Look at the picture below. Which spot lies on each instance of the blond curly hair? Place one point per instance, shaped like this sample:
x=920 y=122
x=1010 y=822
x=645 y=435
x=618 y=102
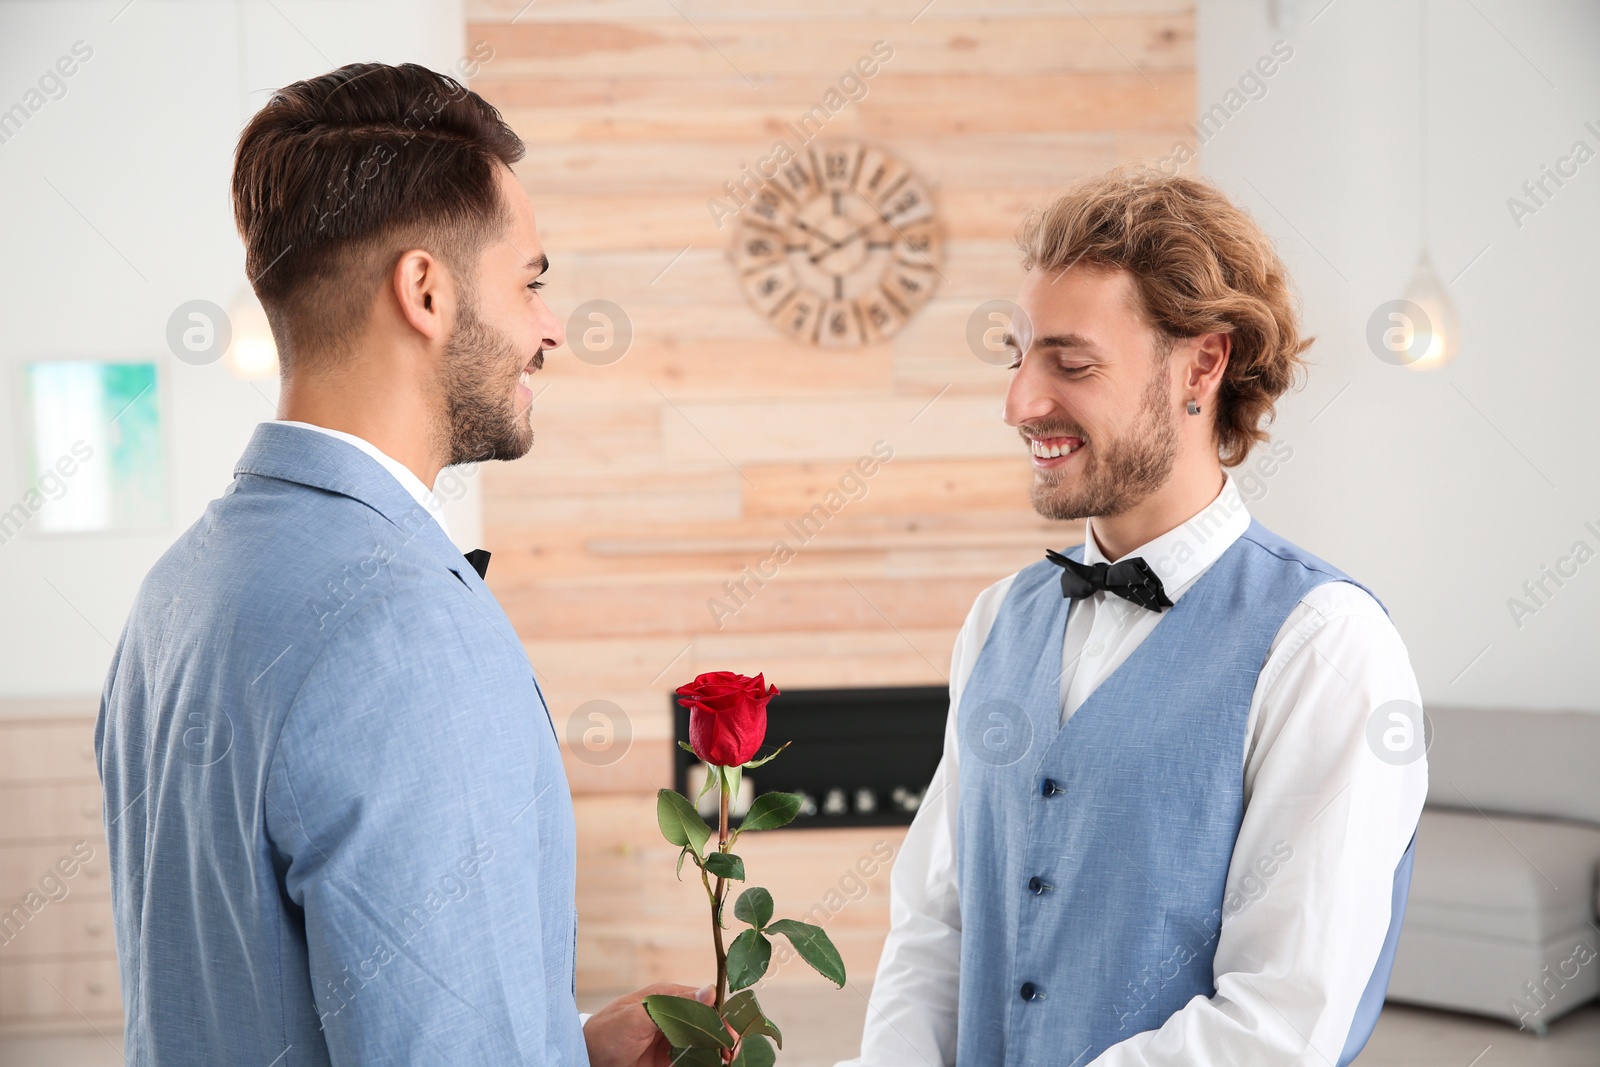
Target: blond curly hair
x=1201 y=265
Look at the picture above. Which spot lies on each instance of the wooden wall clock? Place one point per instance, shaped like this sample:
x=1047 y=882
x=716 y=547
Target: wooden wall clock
x=840 y=247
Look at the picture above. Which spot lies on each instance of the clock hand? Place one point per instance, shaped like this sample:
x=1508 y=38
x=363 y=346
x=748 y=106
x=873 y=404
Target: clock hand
x=800 y=224
x=833 y=245
x=836 y=245
x=874 y=224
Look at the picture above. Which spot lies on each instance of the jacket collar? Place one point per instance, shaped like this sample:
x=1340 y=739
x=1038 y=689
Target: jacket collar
x=305 y=457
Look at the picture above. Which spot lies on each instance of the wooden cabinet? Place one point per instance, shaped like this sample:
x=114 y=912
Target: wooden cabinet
x=58 y=962
x=62 y=994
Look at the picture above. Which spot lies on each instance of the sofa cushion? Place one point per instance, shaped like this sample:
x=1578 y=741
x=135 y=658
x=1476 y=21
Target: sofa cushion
x=1502 y=876
x=1538 y=763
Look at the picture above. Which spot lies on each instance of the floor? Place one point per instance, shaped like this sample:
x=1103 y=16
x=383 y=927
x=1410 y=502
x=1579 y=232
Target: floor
x=823 y=1025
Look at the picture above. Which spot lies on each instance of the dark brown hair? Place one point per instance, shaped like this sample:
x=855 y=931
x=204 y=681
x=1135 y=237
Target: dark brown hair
x=1201 y=265
x=340 y=174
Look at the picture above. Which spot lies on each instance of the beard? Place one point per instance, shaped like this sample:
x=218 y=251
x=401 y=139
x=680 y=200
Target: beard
x=481 y=367
x=1116 y=473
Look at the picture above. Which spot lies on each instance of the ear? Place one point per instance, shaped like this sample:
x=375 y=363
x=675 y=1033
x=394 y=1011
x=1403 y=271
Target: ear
x=1208 y=362
x=425 y=293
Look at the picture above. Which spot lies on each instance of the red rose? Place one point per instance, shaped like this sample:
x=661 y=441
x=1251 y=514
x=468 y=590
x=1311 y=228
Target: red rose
x=727 y=716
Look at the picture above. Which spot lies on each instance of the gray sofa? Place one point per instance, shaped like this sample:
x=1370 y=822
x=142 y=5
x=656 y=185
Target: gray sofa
x=1501 y=920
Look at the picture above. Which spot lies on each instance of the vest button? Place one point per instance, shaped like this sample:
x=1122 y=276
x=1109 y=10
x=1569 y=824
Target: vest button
x=1031 y=992
x=1039 y=885
x=1049 y=788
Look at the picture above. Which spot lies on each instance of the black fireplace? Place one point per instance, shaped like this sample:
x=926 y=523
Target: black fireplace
x=860 y=757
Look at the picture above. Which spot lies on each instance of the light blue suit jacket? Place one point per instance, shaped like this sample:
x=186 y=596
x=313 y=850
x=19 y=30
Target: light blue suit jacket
x=339 y=828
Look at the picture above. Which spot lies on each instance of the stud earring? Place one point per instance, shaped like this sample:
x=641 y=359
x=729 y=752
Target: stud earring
x=1192 y=408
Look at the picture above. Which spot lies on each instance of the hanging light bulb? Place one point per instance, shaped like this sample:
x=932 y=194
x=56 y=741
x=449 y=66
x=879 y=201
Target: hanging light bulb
x=1437 y=330
x=1435 y=327
x=253 y=353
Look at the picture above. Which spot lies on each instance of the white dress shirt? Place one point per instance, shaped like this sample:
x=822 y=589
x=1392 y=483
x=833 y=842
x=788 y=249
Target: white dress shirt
x=402 y=474
x=1309 y=886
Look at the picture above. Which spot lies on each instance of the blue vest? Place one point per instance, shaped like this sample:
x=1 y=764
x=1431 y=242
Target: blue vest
x=1092 y=856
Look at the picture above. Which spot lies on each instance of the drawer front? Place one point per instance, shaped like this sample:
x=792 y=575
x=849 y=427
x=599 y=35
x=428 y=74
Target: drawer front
x=68 y=990
x=43 y=869
x=48 y=812
x=37 y=751
x=75 y=926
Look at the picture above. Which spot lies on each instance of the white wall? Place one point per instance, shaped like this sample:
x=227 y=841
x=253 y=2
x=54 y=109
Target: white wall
x=140 y=149
x=1433 y=488
x=1444 y=491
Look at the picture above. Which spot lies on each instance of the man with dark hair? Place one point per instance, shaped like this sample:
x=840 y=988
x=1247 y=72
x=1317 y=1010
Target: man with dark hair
x=1175 y=817
x=339 y=825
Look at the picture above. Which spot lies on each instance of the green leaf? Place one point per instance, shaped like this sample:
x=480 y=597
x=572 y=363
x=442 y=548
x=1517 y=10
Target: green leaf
x=768 y=758
x=696 y=1057
x=682 y=854
x=687 y=747
x=755 y=1052
x=725 y=865
x=814 y=947
x=687 y=1023
x=680 y=824
x=748 y=957
x=746 y=1017
x=713 y=776
x=770 y=811
x=754 y=906
x=730 y=776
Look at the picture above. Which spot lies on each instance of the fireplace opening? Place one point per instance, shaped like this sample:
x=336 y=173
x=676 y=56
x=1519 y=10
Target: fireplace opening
x=860 y=757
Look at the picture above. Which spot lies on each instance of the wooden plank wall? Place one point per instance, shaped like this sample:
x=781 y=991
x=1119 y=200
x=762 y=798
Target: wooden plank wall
x=656 y=479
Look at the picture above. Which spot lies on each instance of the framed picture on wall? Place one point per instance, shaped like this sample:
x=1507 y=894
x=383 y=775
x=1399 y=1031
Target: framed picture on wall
x=95 y=453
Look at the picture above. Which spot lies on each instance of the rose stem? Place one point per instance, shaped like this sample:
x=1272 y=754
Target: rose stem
x=722 y=887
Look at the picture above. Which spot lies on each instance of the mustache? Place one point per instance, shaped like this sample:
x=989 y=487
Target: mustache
x=1031 y=430
x=538 y=360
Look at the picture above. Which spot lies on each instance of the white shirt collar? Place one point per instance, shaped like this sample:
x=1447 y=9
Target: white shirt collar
x=402 y=474
x=1182 y=554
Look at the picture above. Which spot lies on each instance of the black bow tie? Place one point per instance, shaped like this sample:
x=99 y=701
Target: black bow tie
x=479 y=558
x=1131 y=579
